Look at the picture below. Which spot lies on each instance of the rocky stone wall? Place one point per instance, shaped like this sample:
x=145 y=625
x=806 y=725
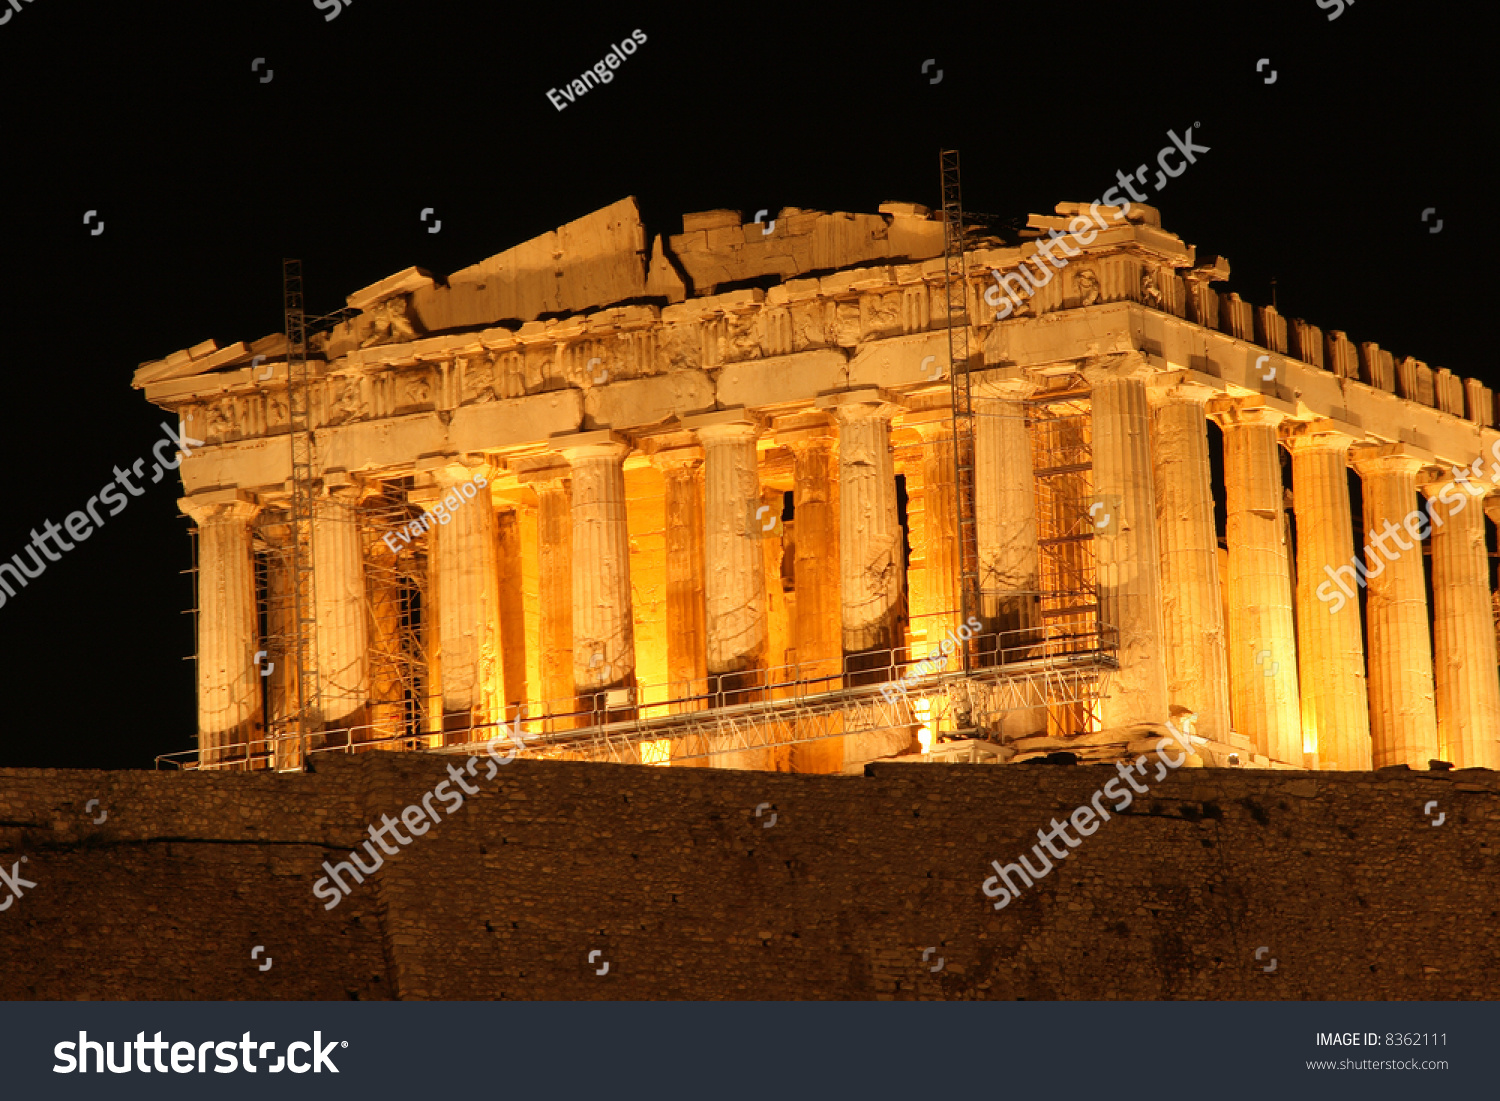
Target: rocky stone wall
x=835 y=889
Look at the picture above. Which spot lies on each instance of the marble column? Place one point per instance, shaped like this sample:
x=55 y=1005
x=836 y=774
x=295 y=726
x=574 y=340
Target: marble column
x=871 y=543
x=1194 y=637
x=1005 y=536
x=817 y=633
x=1262 y=633
x=1463 y=627
x=386 y=574
x=687 y=632
x=513 y=640
x=554 y=524
x=1403 y=717
x=872 y=566
x=1005 y=514
x=1330 y=643
x=1129 y=562
x=281 y=646
x=229 y=688
x=343 y=633
x=464 y=555
x=942 y=551
x=603 y=631
x=734 y=564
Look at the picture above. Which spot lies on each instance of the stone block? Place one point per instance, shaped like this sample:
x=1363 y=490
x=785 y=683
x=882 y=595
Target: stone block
x=779 y=379
x=1307 y=342
x=496 y=424
x=1479 y=402
x=900 y=361
x=392 y=441
x=640 y=402
x=1235 y=317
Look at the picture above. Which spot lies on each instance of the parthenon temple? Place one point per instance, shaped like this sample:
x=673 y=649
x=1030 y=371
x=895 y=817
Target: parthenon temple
x=804 y=493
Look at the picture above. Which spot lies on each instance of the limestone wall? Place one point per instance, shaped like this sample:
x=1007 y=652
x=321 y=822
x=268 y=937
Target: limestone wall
x=687 y=894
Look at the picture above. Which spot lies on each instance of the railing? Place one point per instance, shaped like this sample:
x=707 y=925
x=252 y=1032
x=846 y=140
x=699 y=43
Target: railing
x=1044 y=649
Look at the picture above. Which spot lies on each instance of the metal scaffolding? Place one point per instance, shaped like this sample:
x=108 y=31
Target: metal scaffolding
x=793 y=708
x=956 y=289
x=303 y=722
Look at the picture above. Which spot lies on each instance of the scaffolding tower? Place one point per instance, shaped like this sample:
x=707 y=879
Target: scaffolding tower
x=303 y=722
x=956 y=289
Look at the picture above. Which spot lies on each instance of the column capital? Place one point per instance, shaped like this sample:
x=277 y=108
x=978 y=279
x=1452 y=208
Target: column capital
x=1181 y=387
x=736 y=418
x=678 y=460
x=540 y=469
x=1256 y=409
x=1321 y=434
x=929 y=423
x=1003 y=384
x=341 y=487
x=1387 y=458
x=737 y=424
x=806 y=430
x=1129 y=365
x=600 y=443
x=451 y=470
x=861 y=404
x=219 y=505
x=1435 y=482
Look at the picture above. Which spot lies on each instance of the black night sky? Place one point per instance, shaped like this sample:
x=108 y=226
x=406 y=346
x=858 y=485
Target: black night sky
x=205 y=178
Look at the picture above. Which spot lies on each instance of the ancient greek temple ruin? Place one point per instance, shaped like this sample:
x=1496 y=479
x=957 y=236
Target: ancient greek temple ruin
x=802 y=493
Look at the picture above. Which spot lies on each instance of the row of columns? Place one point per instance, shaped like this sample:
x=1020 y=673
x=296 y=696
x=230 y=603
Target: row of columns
x=1294 y=664
x=1283 y=668
x=848 y=568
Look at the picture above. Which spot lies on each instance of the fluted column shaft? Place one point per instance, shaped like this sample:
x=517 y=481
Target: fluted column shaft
x=1330 y=643
x=1005 y=537
x=1126 y=544
x=1262 y=635
x=1403 y=717
x=229 y=697
x=1464 y=650
x=554 y=585
x=871 y=546
x=687 y=632
x=734 y=564
x=1194 y=637
x=343 y=633
x=940 y=515
x=603 y=632
x=513 y=640
x=1005 y=525
x=465 y=551
x=281 y=633
x=818 y=630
